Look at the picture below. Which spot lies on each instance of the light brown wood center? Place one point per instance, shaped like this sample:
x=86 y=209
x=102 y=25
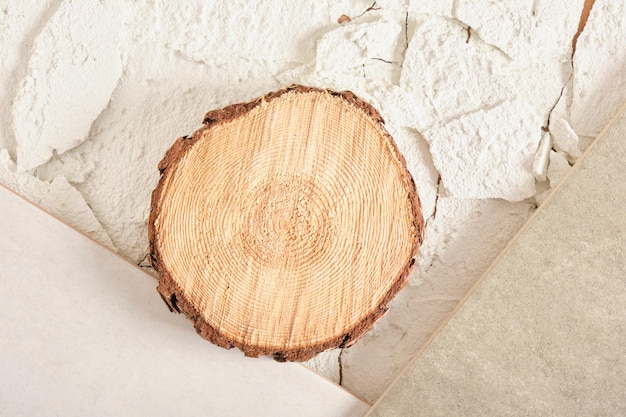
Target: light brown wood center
x=286 y=222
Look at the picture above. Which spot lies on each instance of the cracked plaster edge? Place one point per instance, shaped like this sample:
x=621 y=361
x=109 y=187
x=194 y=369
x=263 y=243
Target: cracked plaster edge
x=20 y=71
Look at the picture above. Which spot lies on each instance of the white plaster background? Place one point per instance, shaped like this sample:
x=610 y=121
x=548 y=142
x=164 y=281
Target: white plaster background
x=484 y=99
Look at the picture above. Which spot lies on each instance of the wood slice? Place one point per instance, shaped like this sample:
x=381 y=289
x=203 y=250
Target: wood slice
x=285 y=226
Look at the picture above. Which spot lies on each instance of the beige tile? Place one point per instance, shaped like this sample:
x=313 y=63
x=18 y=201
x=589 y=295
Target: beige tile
x=84 y=333
x=545 y=333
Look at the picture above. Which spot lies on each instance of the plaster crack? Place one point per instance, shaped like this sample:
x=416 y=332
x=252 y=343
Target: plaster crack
x=546 y=127
x=374 y=6
x=434 y=215
x=339 y=361
x=406 y=31
x=484 y=108
x=385 y=61
x=584 y=15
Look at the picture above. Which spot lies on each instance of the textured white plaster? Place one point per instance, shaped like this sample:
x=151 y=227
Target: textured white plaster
x=73 y=68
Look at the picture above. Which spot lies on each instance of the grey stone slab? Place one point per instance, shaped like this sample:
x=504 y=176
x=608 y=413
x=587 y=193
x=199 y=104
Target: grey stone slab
x=544 y=334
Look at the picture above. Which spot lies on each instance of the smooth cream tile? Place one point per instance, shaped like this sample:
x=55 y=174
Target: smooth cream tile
x=85 y=333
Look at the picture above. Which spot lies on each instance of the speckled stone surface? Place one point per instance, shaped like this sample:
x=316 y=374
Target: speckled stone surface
x=545 y=332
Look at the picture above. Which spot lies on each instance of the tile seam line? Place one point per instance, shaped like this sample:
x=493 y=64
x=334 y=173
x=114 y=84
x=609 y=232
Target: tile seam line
x=504 y=251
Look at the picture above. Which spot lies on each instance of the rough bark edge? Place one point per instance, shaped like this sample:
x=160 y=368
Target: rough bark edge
x=172 y=295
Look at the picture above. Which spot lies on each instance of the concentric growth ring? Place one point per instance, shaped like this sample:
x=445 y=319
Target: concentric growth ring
x=285 y=225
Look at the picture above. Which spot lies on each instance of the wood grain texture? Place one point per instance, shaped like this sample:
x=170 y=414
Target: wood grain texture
x=285 y=225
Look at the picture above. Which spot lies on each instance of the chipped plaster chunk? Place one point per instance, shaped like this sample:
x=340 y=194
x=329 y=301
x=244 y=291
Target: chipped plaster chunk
x=20 y=22
x=564 y=137
x=537 y=37
x=488 y=153
x=523 y=28
x=356 y=44
x=449 y=76
x=372 y=79
x=73 y=68
x=542 y=158
x=57 y=196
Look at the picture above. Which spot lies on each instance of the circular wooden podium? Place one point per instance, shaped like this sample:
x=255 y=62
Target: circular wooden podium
x=285 y=226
